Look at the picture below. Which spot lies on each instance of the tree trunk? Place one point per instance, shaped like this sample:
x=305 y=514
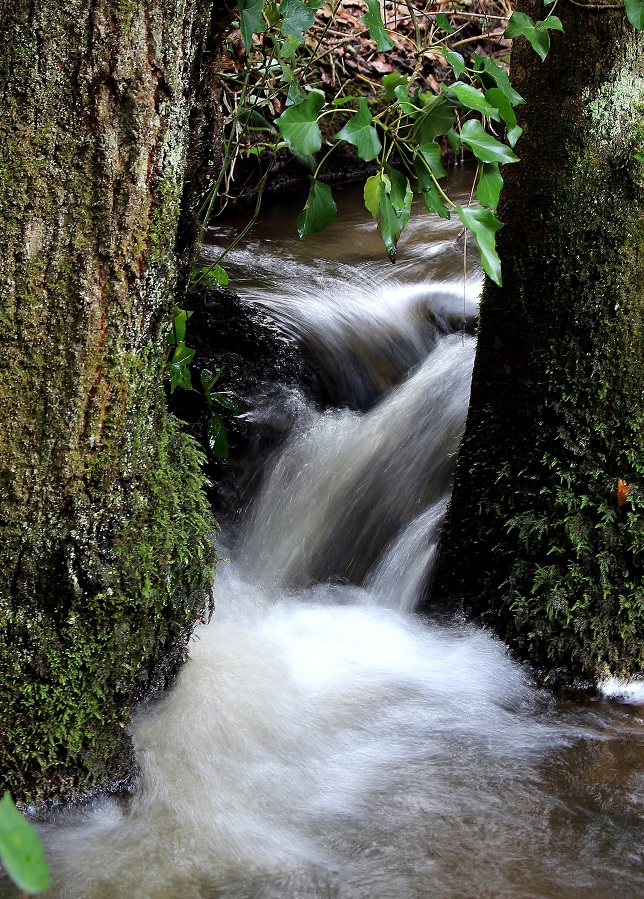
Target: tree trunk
x=544 y=539
x=106 y=536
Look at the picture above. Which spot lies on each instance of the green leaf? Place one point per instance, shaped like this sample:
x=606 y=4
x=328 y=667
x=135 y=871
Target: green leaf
x=513 y=135
x=229 y=401
x=456 y=61
x=431 y=156
x=433 y=202
x=407 y=105
x=373 y=20
x=469 y=97
x=635 y=13
x=401 y=194
x=490 y=184
x=391 y=82
x=210 y=275
x=483 y=145
x=443 y=22
x=287 y=49
x=178 y=367
x=434 y=120
x=21 y=851
x=251 y=20
x=217 y=437
x=208 y=381
x=535 y=33
x=296 y=18
x=179 y=322
x=518 y=24
x=298 y=124
x=638 y=157
x=429 y=191
x=453 y=140
x=271 y=12
x=296 y=94
x=484 y=225
x=320 y=209
x=553 y=23
x=372 y=193
x=388 y=198
x=499 y=77
x=497 y=98
x=360 y=132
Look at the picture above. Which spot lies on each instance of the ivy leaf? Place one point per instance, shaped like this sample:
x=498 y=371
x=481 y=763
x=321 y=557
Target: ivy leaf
x=179 y=322
x=20 y=850
x=454 y=140
x=296 y=18
x=391 y=82
x=470 y=98
x=429 y=191
x=488 y=70
x=320 y=209
x=430 y=154
x=407 y=105
x=208 y=381
x=251 y=20
x=372 y=192
x=217 y=437
x=490 y=184
x=443 y=22
x=483 y=145
x=229 y=401
x=483 y=224
x=535 y=33
x=298 y=124
x=513 y=131
x=373 y=20
x=287 y=49
x=635 y=13
x=401 y=194
x=513 y=135
x=456 y=61
x=210 y=275
x=497 y=98
x=435 y=119
x=388 y=198
x=360 y=132
x=553 y=23
x=178 y=368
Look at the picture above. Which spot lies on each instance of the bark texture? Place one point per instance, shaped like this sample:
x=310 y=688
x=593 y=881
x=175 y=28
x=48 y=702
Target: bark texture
x=537 y=543
x=106 y=537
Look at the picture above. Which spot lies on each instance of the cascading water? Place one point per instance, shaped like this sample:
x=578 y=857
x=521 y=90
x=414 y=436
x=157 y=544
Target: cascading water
x=323 y=741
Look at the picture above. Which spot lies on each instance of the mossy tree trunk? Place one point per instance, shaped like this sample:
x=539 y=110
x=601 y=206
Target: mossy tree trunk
x=106 y=537
x=539 y=542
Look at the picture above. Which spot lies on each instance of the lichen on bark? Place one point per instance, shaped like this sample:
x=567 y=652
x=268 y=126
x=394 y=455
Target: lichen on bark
x=537 y=544
x=106 y=533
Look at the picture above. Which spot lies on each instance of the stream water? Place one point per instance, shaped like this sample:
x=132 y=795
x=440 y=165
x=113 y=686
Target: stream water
x=324 y=741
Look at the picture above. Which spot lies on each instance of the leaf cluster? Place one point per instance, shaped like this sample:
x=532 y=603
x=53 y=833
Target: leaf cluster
x=406 y=131
x=179 y=358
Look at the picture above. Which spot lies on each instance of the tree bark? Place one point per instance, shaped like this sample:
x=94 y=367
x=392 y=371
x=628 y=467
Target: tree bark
x=539 y=542
x=106 y=535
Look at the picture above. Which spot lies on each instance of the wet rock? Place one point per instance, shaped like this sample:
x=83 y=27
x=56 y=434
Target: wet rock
x=261 y=367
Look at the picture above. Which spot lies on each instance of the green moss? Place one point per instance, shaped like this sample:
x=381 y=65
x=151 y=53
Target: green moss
x=73 y=668
x=542 y=550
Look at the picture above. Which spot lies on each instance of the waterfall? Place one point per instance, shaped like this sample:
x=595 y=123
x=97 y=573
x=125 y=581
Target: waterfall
x=323 y=741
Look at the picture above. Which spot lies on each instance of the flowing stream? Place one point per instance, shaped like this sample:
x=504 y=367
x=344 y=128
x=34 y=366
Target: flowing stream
x=324 y=741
